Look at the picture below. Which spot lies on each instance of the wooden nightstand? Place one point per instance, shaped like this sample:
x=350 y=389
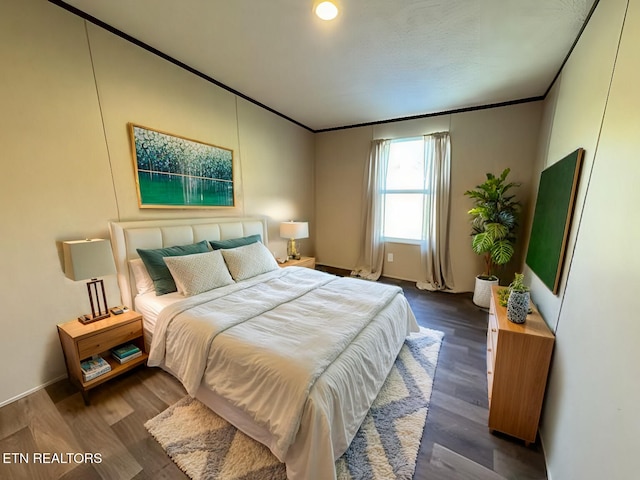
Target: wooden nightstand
x=80 y=342
x=309 y=262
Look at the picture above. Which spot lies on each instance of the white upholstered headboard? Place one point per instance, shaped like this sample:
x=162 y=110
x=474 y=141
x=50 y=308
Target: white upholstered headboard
x=126 y=237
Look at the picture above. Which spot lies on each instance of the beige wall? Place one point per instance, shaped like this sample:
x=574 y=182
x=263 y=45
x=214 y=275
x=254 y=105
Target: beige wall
x=340 y=164
x=64 y=177
x=590 y=420
x=278 y=177
x=481 y=141
x=573 y=118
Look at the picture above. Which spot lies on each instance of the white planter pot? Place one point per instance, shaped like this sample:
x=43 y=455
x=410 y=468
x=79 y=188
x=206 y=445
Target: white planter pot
x=482 y=292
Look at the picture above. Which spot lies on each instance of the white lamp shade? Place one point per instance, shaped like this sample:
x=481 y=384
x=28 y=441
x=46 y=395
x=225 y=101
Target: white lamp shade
x=294 y=230
x=91 y=258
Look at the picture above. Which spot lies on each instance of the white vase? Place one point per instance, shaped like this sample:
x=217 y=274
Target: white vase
x=482 y=292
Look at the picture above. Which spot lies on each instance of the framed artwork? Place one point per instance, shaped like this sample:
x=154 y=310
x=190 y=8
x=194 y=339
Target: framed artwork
x=552 y=219
x=177 y=172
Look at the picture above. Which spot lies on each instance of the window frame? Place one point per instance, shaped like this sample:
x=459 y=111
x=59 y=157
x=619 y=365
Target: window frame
x=425 y=192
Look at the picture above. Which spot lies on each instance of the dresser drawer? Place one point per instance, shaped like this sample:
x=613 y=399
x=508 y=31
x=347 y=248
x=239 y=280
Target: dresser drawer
x=492 y=335
x=490 y=364
x=107 y=339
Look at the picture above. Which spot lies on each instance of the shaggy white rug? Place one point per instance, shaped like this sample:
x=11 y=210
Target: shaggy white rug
x=207 y=447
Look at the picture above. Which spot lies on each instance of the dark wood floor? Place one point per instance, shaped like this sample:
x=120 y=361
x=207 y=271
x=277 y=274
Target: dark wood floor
x=456 y=443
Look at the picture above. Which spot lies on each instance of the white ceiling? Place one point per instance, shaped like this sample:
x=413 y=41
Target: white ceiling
x=379 y=60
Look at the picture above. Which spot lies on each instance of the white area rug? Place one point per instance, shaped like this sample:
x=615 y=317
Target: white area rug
x=205 y=446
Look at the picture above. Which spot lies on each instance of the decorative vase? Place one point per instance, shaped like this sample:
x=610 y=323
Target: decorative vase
x=482 y=291
x=518 y=306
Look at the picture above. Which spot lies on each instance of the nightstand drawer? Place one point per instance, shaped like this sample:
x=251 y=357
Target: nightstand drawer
x=105 y=340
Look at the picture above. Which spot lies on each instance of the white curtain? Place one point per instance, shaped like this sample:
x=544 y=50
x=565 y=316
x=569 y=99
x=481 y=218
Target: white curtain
x=435 y=247
x=371 y=257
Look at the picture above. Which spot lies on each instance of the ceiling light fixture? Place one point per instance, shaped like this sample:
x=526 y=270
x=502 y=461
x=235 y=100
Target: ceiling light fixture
x=326 y=10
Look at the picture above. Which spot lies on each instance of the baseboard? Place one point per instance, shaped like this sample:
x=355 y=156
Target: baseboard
x=342 y=272
x=544 y=455
x=402 y=279
x=33 y=390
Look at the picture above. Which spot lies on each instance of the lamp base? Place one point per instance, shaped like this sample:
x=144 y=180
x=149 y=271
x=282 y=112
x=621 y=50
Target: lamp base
x=292 y=250
x=94 y=287
x=84 y=319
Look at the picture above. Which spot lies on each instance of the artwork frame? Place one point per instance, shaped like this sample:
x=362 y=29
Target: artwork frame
x=552 y=218
x=172 y=171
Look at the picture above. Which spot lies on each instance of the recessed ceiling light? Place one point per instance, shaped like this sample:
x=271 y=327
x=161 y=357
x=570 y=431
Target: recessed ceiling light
x=326 y=10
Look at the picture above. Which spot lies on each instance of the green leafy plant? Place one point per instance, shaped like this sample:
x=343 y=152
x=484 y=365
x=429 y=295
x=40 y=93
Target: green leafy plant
x=518 y=284
x=503 y=296
x=494 y=220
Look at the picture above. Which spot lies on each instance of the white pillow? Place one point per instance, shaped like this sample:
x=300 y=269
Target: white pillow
x=249 y=261
x=199 y=272
x=144 y=283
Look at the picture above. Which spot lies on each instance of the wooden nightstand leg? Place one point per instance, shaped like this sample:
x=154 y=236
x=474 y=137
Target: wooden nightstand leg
x=85 y=397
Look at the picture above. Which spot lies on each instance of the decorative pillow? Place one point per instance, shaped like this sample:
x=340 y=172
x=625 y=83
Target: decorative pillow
x=235 y=242
x=157 y=268
x=144 y=284
x=249 y=261
x=199 y=272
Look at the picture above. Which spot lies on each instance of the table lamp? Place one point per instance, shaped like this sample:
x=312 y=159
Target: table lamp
x=89 y=259
x=292 y=231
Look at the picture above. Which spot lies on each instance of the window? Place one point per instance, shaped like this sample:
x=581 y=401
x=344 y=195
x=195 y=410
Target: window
x=405 y=195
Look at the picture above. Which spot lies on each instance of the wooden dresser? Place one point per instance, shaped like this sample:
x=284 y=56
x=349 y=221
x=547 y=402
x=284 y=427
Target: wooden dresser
x=518 y=358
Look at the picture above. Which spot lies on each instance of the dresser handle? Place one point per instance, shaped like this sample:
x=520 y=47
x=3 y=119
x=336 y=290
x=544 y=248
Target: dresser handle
x=493 y=330
x=488 y=350
x=488 y=372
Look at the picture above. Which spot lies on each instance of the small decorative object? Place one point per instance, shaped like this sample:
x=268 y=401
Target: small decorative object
x=518 y=303
x=177 y=172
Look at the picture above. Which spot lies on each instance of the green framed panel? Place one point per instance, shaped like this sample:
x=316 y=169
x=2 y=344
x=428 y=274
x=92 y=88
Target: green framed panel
x=177 y=172
x=552 y=219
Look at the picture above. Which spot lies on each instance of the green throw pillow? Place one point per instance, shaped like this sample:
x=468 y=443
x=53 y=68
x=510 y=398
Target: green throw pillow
x=157 y=268
x=235 y=242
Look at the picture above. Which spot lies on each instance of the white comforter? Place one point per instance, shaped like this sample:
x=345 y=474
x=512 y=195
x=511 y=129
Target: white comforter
x=261 y=344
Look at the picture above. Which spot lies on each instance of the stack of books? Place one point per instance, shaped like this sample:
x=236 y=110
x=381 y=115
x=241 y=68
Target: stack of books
x=126 y=353
x=94 y=367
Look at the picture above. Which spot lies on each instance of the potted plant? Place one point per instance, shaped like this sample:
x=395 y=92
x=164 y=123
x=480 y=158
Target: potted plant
x=518 y=302
x=494 y=220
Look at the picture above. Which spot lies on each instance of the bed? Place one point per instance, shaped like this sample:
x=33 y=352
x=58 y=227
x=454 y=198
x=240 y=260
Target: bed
x=292 y=357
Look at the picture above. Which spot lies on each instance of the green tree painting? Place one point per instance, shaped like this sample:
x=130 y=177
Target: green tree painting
x=175 y=171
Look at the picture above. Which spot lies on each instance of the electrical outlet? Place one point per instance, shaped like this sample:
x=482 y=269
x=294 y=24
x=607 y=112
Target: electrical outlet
x=389 y=257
